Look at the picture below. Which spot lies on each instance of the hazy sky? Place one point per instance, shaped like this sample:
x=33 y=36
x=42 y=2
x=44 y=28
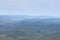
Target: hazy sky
x=30 y=7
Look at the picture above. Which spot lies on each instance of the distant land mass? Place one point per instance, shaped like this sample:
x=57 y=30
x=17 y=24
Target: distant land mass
x=23 y=27
x=23 y=17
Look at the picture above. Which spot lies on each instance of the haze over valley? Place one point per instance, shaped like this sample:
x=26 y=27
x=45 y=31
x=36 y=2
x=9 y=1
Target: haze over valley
x=29 y=28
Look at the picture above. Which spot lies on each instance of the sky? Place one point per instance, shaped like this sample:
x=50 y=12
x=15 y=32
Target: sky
x=30 y=7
